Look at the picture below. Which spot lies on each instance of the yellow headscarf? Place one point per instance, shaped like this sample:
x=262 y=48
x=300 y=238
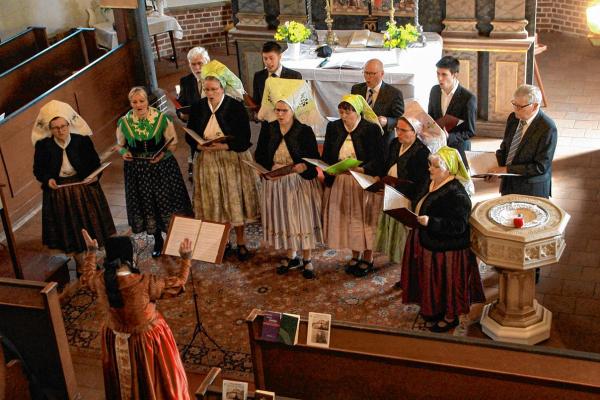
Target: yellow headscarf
x=361 y=107
x=231 y=84
x=454 y=163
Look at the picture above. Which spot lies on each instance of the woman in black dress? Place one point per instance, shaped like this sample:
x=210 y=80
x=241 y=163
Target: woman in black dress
x=65 y=154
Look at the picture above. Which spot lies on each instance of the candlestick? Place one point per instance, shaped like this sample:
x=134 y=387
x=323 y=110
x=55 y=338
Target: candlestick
x=331 y=38
x=392 y=10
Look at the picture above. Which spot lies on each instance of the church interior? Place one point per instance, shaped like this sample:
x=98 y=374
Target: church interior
x=536 y=337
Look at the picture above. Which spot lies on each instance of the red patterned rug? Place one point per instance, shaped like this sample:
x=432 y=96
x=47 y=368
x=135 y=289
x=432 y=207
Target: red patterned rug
x=228 y=292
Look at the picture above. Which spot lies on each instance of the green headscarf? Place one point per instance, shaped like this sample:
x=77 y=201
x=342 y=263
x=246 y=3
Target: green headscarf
x=231 y=84
x=361 y=107
x=454 y=163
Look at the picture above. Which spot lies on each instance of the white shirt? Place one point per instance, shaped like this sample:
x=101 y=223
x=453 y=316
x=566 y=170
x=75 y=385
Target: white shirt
x=375 y=92
x=66 y=169
x=447 y=98
x=529 y=121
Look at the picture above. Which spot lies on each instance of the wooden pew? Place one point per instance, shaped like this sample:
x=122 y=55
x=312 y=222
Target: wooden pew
x=13 y=381
x=32 y=320
x=28 y=80
x=369 y=362
x=98 y=92
x=22 y=46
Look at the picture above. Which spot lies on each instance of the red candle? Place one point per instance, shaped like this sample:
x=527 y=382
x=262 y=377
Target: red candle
x=518 y=221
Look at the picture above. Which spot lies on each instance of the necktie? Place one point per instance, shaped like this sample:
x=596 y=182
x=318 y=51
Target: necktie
x=370 y=97
x=516 y=140
x=273 y=75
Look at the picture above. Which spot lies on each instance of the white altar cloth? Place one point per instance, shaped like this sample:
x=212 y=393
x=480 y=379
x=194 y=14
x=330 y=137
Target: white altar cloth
x=415 y=75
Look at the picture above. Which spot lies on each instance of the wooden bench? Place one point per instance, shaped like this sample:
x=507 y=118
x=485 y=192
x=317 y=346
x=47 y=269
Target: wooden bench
x=36 y=75
x=22 y=46
x=369 y=362
x=98 y=92
x=32 y=321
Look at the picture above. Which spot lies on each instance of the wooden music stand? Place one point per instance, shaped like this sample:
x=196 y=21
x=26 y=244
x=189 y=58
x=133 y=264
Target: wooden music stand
x=10 y=238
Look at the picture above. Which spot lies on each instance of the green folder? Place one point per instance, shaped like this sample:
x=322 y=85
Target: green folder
x=342 y=166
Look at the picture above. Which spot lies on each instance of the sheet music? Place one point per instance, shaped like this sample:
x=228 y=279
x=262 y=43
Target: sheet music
x=480 y=162
x=256 y=166
x=209 y=242
x=88 y=178
x=364 y=180
x=317 y=163
x=393 y=199
x=432 y=136
x=193 y=134
x=182 y=228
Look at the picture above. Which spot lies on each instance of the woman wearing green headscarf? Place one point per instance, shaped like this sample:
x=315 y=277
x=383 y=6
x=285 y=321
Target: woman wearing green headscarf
x=225 y=189
x=439 y=270
x=350 y=213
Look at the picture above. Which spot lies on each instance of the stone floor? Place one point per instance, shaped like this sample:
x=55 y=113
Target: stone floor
x=570 y=289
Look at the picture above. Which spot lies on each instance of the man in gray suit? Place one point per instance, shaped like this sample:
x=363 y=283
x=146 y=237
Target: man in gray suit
x=385 y=100
x=528 y=146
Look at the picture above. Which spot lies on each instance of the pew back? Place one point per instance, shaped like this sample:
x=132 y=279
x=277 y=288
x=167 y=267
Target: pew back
x=373 y=362
x=22 y=46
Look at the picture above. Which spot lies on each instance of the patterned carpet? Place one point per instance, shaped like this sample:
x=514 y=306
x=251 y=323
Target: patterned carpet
x=228 y=292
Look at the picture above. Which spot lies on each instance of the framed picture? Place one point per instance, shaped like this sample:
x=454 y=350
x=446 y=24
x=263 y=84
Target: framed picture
x=403 y=8
x=319 y=329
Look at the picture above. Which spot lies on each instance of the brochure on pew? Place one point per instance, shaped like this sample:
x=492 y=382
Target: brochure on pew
x=280 y=327
x=264 y=395
x=204 y=142
x=157 y=153
x=480 y=162
x=319 y=329
x=397 y=206
x=88 y=178
x=265 y=173
x=234 y=390
x=208 y=238
x=336 y=168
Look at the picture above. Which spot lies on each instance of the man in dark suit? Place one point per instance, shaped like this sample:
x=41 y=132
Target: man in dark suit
x=385 y=100
x=528 y=146
x=450 y=97
x=271 y=55
x=190 y=91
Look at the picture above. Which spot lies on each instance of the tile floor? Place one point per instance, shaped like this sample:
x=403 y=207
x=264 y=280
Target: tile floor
x=570 y=289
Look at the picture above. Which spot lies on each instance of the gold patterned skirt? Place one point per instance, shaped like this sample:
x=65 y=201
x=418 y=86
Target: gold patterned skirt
x=225 y=188
x=291 y=213
x=350 y=215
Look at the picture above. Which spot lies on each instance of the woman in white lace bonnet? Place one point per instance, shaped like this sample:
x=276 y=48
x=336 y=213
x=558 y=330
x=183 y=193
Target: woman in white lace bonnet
x=65 y=154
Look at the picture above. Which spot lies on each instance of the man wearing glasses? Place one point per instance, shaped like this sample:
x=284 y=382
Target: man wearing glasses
x=528 y=146
x=385 y=100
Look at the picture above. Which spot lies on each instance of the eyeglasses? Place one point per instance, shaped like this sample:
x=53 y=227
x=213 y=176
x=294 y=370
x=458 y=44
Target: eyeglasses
x=369 y=73
x=519 y=107
x=58 y=128
x=281 y=110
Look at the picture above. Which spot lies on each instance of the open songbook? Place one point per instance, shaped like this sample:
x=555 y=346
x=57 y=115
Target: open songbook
x=88 y=178
x=365 y=38
x=480 y=162
x=432 y=136
x=157 y=153
x=204 y=142
x=265 y=173
x=448 y=122
x=397 y=206
x=372 y=184
x=337 y=168
x=208 y=238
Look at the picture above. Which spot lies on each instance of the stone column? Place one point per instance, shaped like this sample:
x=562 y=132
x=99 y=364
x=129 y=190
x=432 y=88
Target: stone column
x=251 y=15
x=509 y=20
x=460 y=19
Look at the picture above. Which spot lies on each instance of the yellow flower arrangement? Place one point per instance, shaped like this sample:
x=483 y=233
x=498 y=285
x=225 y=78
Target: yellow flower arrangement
x=292 y=32
x=399 y=37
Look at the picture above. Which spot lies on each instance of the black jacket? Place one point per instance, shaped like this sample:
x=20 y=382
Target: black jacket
x=448 y=209
x=232 y=118
x=413 y=165
x=300 y=142
x=368 y=146
x=48 y=158
x=260 y=77
x=462 y=106
x=533 y=159
x=189 y=93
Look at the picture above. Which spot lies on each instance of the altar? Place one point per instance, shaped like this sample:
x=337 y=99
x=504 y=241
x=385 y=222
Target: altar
x=415 y=73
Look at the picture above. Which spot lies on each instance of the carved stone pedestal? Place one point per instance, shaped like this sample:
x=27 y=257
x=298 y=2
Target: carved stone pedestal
x=517 y=317
x=460 y=19
x=509 y=20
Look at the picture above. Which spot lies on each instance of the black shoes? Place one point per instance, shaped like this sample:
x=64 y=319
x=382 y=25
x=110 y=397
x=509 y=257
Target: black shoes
x=308 y=272
x=360 y=271
x=243 y=253
x=444 y=326
x=351 y=265
x=158 y=245
x=287 y=264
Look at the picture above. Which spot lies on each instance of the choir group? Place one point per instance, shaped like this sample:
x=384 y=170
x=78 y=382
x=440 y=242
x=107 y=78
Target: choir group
x=298 y=210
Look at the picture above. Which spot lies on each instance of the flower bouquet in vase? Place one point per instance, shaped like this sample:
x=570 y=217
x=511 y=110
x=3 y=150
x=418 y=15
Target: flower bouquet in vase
x=398 y=37
x=293 y=33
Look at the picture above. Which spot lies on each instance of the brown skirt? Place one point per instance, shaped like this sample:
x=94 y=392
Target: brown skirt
x=350 y=215
x=67 y=210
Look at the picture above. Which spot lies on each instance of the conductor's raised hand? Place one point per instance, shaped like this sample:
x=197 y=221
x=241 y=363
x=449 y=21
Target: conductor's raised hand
x=185 y=249
x=91 y=244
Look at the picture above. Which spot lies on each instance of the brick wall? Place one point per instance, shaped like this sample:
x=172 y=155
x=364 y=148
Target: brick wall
x=202 y=26
x=566 y=16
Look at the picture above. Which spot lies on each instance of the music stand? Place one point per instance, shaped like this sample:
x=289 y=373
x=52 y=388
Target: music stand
x=199 y=328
